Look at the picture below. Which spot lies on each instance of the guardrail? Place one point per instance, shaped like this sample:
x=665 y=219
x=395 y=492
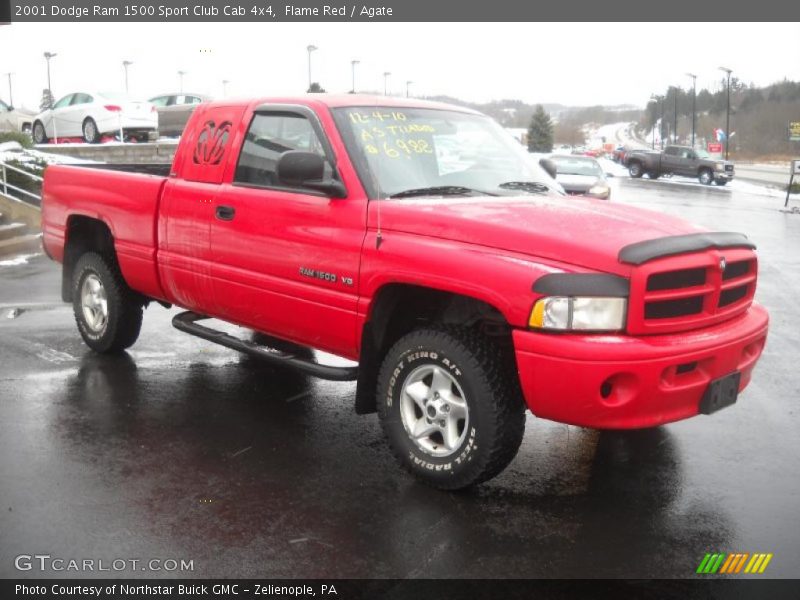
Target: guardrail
x=23 y=195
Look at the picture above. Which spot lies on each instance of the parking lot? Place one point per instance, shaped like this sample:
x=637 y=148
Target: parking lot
x=180 y=449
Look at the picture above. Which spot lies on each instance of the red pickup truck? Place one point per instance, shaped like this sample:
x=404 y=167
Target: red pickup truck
x=422 y=242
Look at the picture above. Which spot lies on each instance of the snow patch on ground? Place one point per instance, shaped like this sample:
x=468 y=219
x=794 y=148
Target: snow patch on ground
x=22 y=259
x=14 y=151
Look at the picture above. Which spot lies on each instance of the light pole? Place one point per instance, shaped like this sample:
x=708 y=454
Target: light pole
x=727 y=112
x=675 y=120
x=125 y=65
x=386 y=75
x=10 y=94
x=310 y=48
x=655 y=118
x=353 y=64
x=408 y=83
x=225 y=83
x=47 y=57
x=180 y=78
x=694 y=103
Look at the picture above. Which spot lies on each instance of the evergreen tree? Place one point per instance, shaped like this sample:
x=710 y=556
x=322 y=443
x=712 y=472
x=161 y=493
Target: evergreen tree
x=540 y=131
x=316 y=88
x=47 y=100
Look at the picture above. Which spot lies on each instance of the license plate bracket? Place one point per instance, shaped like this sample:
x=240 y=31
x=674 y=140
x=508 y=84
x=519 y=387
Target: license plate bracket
x=720 y=393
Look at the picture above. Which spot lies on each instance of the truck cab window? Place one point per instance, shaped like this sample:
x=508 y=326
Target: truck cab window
x=269 y=136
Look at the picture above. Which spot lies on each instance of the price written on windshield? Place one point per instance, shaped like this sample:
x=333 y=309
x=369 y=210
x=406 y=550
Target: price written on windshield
x=390 y=134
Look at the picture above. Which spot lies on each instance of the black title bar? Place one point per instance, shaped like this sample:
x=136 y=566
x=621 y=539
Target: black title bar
x=712 y=11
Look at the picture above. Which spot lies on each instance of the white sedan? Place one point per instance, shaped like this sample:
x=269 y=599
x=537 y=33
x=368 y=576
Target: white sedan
x=94 y=115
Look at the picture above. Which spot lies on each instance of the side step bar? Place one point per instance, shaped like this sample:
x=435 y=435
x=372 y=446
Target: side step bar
x=187 y=322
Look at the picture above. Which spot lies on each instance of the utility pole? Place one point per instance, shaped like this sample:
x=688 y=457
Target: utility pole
x=408 y=83
x=694 y=103
x=727 y=112
x=353 y=64
x=10 y=93
x=310 y=48
x=386 y=75
x=125 y=65
x=225 y=83
x=180 y=76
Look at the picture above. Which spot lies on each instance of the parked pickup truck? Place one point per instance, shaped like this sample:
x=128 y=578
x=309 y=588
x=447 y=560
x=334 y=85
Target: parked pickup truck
x=422 y=242
x=680 y=160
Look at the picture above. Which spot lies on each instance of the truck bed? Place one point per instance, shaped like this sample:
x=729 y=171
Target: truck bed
x=159 y=169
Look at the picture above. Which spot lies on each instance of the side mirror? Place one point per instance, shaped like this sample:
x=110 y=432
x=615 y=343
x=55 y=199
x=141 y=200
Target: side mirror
x=307 y=169
x=549 y=166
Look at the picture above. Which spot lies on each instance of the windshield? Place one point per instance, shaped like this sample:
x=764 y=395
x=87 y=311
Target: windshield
x=701 y=153
x=400 y=149
x=573 y=165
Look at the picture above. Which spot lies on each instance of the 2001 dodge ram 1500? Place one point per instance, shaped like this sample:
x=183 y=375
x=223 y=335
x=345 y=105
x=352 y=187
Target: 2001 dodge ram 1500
x=421 y=241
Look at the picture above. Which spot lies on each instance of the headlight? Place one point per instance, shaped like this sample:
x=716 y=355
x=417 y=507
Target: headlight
x=562 y=313
x=720 y=166
x=599 y=190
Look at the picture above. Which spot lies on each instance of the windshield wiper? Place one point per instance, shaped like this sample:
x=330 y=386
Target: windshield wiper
x=440 y=190
x=526 y=186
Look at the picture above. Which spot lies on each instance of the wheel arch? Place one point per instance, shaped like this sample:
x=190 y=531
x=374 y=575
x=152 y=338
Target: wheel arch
x=398 y=308
x=83 y=234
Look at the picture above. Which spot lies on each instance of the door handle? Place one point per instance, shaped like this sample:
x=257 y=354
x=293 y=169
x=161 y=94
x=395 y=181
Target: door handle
x=225 y=213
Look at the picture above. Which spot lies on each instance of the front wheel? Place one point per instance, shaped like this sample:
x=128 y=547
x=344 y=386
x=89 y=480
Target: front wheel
x=450 y=405
x=635 y=169
x=107 y=311
x=705 y=177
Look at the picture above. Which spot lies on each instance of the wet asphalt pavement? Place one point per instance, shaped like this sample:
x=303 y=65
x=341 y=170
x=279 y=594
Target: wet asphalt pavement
x=180 y=449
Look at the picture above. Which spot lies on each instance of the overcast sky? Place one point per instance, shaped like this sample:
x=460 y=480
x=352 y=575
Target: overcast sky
x=569 y=63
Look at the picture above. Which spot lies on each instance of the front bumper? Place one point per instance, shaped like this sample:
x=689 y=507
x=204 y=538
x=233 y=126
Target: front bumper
x=626 y=382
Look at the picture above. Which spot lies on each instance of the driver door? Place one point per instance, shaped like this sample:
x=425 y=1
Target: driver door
x=286 y=259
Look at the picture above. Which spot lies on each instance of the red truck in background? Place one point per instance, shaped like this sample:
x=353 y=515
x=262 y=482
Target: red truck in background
x=422 y=242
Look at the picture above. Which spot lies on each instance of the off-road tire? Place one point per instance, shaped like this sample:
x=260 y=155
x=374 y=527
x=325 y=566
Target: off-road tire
x=721 y=182
x=654 y=175
x=705 y=176
x=487 y=375
x=125 y=307
x=635 y=169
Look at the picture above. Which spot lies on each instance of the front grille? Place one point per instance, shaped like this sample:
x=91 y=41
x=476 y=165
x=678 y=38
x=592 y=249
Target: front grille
x=669 y=309
x=728 y=297
x=676 y=279
x=691 y=291
x=736 y=269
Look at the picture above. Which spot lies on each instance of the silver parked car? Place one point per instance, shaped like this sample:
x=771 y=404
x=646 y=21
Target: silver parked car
x=15 y=119
x=174 y=111
x=581 y=175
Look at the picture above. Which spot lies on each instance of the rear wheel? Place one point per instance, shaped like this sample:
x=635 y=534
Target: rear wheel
x=654 y=175
x=705 y=176
x=107 y=311
x=450 y=405
x=635 y=169
x=90 y=133
x=721 y=181
x=39 y=134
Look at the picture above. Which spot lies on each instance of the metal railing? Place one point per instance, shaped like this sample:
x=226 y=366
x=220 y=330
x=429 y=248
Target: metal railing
x=23 y=195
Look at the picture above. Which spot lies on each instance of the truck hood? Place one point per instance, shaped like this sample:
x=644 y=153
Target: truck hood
x=583 y=232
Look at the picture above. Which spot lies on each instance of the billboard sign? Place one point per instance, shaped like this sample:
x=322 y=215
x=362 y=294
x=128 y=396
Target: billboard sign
x=794 y=131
